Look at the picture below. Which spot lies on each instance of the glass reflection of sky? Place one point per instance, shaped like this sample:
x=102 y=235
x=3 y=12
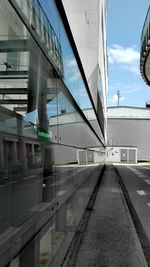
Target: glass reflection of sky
x=72 y=76
x=50 y=10
x=31 y=117
x=58 y=105
x=55 y=107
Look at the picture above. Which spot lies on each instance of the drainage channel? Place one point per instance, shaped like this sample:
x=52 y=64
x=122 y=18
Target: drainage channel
x=145 y=243
x=70 y=258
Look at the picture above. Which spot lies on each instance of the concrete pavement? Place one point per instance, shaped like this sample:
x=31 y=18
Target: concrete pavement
x=110 y=238
x=135 y=182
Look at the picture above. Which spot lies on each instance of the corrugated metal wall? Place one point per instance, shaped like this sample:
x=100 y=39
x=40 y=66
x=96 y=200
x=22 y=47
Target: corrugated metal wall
x=130 y=132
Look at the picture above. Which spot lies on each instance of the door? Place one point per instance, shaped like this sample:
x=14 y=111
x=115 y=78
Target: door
x=132 y=156
x=123 y=155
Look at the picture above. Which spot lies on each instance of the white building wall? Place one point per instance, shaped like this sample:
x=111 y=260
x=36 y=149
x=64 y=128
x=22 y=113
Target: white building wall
x=87 y=22
x=113 y=154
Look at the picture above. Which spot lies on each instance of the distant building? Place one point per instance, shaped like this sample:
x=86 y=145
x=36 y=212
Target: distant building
x=122 y=154
x=130 y=127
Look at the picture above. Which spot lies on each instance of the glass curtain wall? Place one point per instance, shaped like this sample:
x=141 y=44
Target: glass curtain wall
x=72 y=76
x=50 y=158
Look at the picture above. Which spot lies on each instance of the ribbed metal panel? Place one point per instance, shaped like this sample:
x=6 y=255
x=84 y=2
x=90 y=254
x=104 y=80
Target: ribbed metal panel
x=130 y=132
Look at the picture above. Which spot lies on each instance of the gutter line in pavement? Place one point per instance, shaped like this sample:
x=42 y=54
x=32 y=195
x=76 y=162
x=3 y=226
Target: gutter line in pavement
x=70 y=258
x=143 y=238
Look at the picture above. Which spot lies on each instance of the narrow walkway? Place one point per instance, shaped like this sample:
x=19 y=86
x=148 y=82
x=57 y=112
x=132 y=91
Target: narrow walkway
x=110 y=239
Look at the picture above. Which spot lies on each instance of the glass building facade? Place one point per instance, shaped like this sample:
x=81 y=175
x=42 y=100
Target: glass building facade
x=52 y=136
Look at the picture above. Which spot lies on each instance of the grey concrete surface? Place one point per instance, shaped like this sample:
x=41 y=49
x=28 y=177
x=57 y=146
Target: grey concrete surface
x=110 y=239
x=136 y=180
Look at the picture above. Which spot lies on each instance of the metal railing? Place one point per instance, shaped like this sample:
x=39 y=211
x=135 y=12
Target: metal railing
x=38 y=20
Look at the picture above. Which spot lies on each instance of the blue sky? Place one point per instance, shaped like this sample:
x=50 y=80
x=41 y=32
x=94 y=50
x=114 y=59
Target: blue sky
x=124 y=27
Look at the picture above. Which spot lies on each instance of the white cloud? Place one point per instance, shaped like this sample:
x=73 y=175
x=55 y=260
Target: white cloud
x=71 y=63
x=114 y=99
x=74 y=76
x=134 y=68
x=72 y=71
x=130 y=88
x=125 y=57
x=126 y=88
x=120 y=54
